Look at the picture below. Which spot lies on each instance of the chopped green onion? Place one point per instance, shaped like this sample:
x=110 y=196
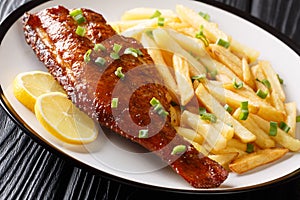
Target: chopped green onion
x=250 y=148
x=262 y=94
x=237 y=85
x=244 y=110
x=202 y=110
x=157 y=13
x=80 y=31
x=200 y=35
x=133 y=51
x=114 y=102
x=209 y=117
x=213 y=74
x=199 y=77
x=178 y=149
x=100 y=61
x=119 y=73
x=117 y=47
x=223 y=43
x=86 y=56
x=79 y=18
x=99 y=47
x=298 y=119
x=158 y=108
x=283 y=126
x=266 y=83
x=154 y=101
x=114 y=55
x=228 y=108
x=161 y=21
x=75 y=12
x=204 y=15
x=280 y=79
x=143 y=133
x=273 y=128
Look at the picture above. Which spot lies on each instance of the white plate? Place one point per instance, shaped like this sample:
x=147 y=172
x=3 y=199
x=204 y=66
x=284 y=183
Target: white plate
x=123 y=159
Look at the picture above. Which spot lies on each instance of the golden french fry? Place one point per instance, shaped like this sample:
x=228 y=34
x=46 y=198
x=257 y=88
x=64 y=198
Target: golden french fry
x=291 y=111
x=160 y=64
x=276 y=102
x=185 y=85
x=211 y=31
x=146 y=13
x=215 y=107
x=247 y=74
x=243 y=51
x=175 y=115
x=224 y=159
x=237 y=144
x=229 y=149
x=256 y=159
x=227 y=58
x=190 y=134
x=212 y=136
x=164 y=41
x=263 y=140
x=272 y=76
x=281 y=137
x=270 y=113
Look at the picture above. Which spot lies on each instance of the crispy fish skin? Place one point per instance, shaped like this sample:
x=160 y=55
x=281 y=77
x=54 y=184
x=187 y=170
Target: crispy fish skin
x=51 y=35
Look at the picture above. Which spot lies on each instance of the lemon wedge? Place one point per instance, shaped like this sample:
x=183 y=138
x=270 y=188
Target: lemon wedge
x=28 y=86
x=63 y=119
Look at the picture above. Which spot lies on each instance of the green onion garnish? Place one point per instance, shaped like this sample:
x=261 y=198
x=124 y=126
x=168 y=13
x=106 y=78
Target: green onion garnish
x=298 y=119
x=99 y=47
x=204 y=15
x=266 y=83
x=114 y=55
x=117 y=48
x=262 y=94
x=161 y=21
x=204 y=115
x=79 y=18
x=75 y=12
x=133 y=51
x=200 y=35
x=158 y=108
x=237 y=85
x=273 y=128
x=119 y=73
x=244 y=110
x=199 y=77
x=223 y=43
x=178 y=149
x=209 y=117
x=114 y=102
x=100 y=61
x=86 y=56
x=228 y=108
x=143 y=133
x=154 y=101
x=80 y=31
x=280 y=79
x=283 y=126
x=250 y=148
x=157 y=13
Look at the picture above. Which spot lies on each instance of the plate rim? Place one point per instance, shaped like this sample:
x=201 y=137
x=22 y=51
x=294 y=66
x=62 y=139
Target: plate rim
x=16 y=14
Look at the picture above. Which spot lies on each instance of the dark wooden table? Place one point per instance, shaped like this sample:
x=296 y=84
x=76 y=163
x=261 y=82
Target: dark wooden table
x=29 y=170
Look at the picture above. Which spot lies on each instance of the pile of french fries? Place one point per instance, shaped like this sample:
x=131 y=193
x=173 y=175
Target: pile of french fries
x=225 y=77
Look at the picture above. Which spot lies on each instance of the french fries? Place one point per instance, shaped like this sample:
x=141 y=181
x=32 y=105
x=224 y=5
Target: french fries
x=256 y=159
x=194 y=66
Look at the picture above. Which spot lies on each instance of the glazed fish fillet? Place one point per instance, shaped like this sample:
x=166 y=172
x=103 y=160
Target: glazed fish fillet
x=93 y=83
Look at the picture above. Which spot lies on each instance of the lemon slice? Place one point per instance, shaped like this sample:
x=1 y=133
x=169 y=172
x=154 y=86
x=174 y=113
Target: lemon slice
x=63 y=119
x=28 y=86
